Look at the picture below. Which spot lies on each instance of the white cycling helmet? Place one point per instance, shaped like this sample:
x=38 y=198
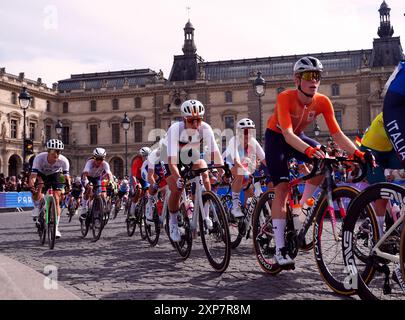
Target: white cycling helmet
x=99 y=153
x=192 y=108
x=308 y=64
x=124 y=182
x=245 y=123
x=145 y=151
x=77 y=180
x=54 y=144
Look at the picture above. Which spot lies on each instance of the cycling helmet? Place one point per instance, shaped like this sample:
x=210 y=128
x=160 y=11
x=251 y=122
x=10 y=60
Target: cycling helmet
x=54 y=144
x=308 y=64
x=145 y=151
x=245 y=123
x=192 y=108
x=99 y=153
x=77 y=180
x=124 y=182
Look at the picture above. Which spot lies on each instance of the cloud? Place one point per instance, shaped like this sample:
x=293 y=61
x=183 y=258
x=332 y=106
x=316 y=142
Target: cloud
x=146 y=34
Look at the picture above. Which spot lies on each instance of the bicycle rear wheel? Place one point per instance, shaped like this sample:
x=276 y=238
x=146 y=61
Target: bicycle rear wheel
x=52 y=220
x=360 y=236
x=328 y=245
x=97 y=212
x=215 y=240
x=402 y=253
x=263 y=234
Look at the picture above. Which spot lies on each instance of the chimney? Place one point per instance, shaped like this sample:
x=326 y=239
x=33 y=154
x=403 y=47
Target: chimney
x=21 y=76
x=55 y=86
x=39 y=81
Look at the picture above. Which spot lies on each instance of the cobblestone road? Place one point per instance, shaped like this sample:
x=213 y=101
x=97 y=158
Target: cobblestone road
x=120 y=267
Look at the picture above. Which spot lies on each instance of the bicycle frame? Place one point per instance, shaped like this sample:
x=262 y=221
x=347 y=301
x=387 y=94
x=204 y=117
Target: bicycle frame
x=376 y=249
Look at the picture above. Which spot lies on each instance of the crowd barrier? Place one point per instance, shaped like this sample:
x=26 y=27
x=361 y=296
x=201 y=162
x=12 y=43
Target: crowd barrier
x=16 y=200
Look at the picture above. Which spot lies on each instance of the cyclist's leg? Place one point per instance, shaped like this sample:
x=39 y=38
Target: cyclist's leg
x=241 y=177
x=313 y=183
x=276 y=154
x=37 y=197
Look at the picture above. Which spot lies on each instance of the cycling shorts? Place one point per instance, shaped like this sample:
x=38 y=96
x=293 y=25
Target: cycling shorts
x=384 y=160
x=54 y=180
x=279 y=152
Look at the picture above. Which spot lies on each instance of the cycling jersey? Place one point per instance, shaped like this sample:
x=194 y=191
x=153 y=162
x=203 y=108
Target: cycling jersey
x=96 y=172
x=375 y=136
x=236 y=151
x=187 y=144
x=291 y=113
x=41 y=165
x=394 y=110
x=137 y=167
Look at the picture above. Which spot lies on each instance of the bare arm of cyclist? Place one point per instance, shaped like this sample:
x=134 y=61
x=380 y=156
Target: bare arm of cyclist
x=293 y=140
x=344 y=142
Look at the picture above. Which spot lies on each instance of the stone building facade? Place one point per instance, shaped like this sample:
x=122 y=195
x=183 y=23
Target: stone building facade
x=92 y=106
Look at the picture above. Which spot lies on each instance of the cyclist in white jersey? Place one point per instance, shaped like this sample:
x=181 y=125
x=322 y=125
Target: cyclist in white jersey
x=152 y=170
x=242 y=154
x=94 y=171
x=51 y=168
x=184 y=140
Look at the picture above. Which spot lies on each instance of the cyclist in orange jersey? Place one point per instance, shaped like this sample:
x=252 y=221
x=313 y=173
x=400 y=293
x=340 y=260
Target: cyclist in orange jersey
x=285 y=139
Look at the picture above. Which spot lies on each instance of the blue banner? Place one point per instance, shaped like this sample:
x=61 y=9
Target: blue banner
x=16 y=200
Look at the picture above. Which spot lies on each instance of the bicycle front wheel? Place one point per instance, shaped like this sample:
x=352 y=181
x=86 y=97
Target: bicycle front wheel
x=327 y=235
x=97 y=212
x=52 y=220
x=263 y=234
x=402 y=253
x=361 y=234
x=152 y=229
x=214 y=232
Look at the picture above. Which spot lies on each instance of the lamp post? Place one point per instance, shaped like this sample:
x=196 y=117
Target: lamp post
x=24 y=99
x=259 y=86
x=125 y=123
x=58 y=128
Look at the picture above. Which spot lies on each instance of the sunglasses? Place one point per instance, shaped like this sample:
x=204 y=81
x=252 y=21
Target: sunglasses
x=191 y=120
x=99 y=159
x=55 y=151
x=311 y=75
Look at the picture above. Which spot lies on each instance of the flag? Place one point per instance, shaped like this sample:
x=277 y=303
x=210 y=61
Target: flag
x=358 y=141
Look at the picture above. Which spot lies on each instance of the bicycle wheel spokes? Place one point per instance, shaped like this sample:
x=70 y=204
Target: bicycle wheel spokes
x=361 y=233
x=41 y=227
x=234 y=224
x=152 y=230
x=52 y=220
x=327 y=236
x=214 y=231
x=263 y=235
x=130 y=221
x=97 y=217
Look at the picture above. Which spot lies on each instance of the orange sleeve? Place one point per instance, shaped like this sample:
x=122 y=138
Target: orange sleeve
x=283 y=111
x=329 y=115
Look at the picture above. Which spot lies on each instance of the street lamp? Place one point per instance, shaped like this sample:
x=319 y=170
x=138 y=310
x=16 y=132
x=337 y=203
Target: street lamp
x=24 y=100
x=58 y=128
x=125 y=123
x=259 y=86
x=317 y=130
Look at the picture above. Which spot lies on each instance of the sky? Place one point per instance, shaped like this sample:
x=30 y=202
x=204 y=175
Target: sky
x=52 y=39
